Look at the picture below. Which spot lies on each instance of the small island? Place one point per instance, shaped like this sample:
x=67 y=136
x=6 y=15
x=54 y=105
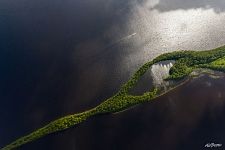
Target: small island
x=185 y=63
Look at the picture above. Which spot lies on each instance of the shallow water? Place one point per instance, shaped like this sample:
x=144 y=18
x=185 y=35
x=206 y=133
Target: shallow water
x=65 y=56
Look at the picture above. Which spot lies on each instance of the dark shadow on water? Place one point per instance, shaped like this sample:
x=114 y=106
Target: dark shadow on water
x=145 y=84
x=56 y=60
x=187 y=118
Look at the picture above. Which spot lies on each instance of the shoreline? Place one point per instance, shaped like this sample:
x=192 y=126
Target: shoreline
x=185 y=63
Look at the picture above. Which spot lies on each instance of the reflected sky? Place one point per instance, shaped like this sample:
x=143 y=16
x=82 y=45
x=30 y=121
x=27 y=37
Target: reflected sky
x=159 y=72
x=181 y=28
x=162 y=5
x=59 y=57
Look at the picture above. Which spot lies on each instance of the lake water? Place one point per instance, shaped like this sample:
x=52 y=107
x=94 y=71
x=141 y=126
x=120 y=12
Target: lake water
x=65 y=56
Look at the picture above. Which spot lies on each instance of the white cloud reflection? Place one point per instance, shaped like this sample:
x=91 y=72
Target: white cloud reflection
x=158 y=32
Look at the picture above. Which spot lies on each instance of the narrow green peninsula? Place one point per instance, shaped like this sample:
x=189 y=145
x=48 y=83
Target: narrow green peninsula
x=185 y=63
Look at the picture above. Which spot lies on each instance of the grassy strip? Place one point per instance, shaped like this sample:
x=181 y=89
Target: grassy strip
x=186 y=62
x=120 y=101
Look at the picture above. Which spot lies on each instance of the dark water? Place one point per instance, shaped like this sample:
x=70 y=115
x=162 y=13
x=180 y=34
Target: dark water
x=187 y=118
x=65 y=56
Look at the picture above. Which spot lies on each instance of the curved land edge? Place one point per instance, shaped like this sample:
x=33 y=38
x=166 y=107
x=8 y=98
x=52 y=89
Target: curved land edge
x=185 y=63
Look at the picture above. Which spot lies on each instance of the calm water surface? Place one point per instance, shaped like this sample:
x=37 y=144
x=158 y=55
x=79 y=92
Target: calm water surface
x=65 y=56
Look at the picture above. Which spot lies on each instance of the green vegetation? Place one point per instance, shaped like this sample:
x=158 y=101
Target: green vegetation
x=186 y=62
x=218 y=65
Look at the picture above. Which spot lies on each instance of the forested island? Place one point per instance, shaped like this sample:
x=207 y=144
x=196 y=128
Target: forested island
x=185 y=63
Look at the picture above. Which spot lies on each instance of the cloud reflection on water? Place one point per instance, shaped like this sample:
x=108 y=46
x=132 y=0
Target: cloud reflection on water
x=67 y=41
x=163 y=5
x=165 y=31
